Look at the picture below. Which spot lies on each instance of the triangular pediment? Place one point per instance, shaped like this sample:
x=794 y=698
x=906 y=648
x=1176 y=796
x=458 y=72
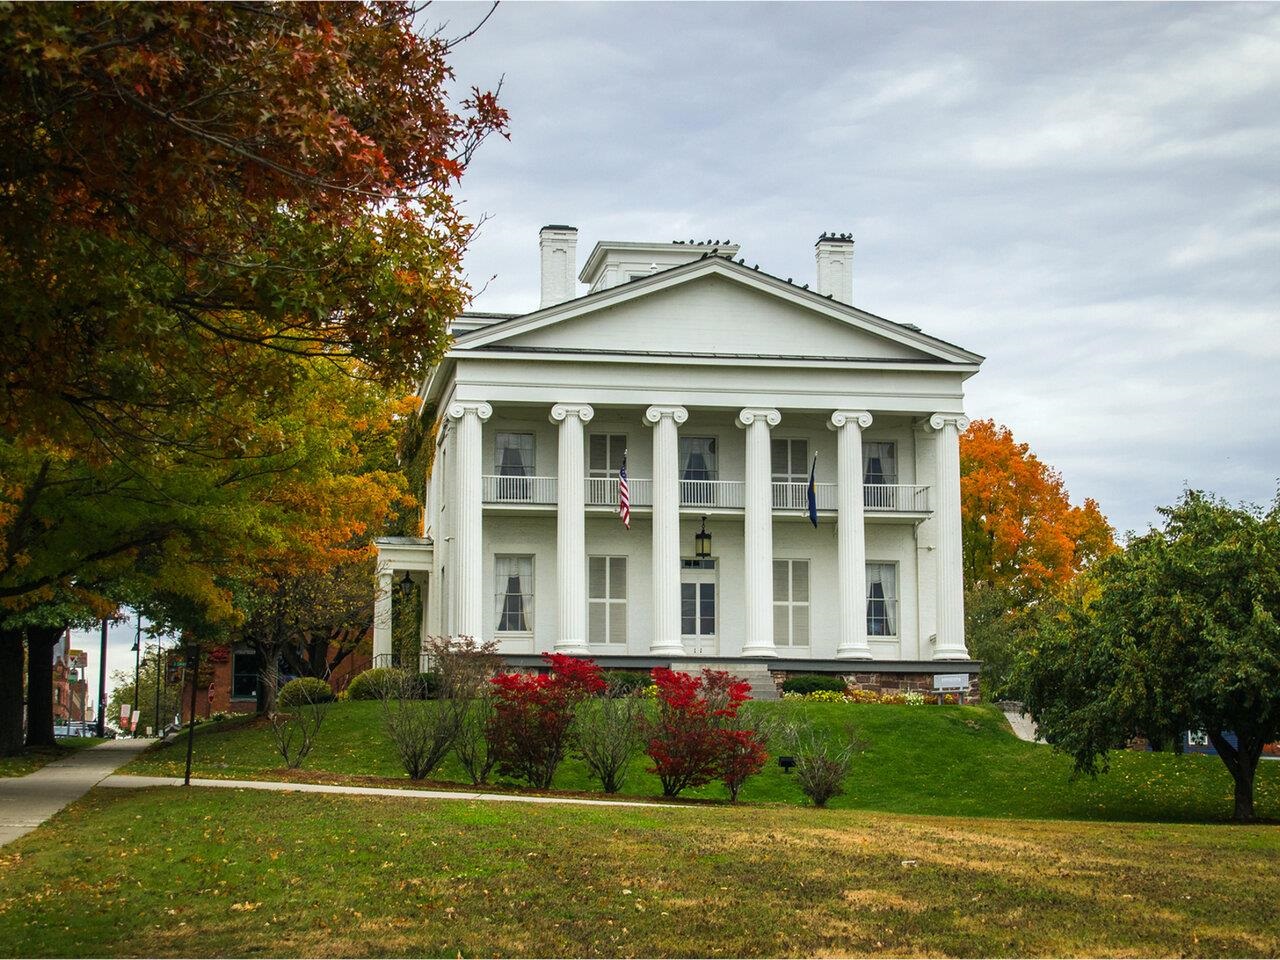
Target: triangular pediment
x=715 y=307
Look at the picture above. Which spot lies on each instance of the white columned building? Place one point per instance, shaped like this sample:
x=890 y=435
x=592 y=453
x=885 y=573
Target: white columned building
x=731 y=398
x=665 y=569
x=851 y=534
x=758 y=536
x=571 y=551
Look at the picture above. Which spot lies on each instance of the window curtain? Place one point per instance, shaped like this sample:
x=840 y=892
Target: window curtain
x=880 y=462
x=882 y=600
x=698 y=458
x=515 y=454
x=514 y=576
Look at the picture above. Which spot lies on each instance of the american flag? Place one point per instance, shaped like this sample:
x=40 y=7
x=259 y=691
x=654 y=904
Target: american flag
x=624 y=493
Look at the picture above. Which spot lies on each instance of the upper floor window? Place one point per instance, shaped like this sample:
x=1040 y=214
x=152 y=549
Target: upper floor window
x=606 y=599
x=698 y=459
x=605 y=454
x=791 y=603
x=880 y=462
x=513 y=593
x=245 y=667
x=514 y=455
x=790 y=465
x=882 y=599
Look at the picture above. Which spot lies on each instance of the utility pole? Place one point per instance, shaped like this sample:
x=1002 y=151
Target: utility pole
x=159 y=667
x=102 y=685
x=193 y=668
x=137 y=661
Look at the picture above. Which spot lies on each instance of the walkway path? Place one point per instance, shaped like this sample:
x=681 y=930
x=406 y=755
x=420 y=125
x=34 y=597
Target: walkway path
x=132 y=782
x=1023 y=726
x=26 y=802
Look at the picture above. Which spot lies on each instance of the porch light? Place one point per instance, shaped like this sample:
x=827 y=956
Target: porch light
x=406 y=585
x=702 y=541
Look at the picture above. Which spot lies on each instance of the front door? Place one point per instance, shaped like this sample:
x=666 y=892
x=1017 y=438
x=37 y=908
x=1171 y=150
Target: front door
x=698 y=600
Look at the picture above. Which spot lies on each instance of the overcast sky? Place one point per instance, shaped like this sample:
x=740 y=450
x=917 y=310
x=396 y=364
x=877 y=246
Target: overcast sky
x=1086 y=194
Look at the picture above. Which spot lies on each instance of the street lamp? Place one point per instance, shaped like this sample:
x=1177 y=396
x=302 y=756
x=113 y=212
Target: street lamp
x=702 y=542
x=137 y=661
x=406 y=585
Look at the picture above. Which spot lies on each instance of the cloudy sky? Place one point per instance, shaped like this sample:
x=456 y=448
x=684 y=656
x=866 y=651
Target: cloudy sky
x=1086 y=194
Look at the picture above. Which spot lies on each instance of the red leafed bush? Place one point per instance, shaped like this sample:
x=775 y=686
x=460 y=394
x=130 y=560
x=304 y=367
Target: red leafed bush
x=531 y=727
x=696 y=737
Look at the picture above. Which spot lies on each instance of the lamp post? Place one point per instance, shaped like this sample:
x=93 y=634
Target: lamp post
x=102 y=685
x=137 y=662
x=159 y=669
x=193 y=666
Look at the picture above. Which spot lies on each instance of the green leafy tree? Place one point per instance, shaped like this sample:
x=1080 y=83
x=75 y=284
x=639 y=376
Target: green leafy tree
x=1176 y=632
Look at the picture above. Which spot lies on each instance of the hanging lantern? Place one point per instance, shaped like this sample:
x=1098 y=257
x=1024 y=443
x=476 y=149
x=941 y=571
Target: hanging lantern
x=406 y=585
x=702 y=541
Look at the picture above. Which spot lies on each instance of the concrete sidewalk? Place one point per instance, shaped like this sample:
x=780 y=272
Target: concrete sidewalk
x=26 y=802
x=130 y=782
x=1023 y=726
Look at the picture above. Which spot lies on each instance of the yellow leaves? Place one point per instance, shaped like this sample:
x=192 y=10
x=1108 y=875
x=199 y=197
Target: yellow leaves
x=246 y=906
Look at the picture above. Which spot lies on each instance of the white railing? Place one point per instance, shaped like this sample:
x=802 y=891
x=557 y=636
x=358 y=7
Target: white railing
x=501 y=489
x=712 y=493
x=603 y=491
x=794 y=495
x=896 y=497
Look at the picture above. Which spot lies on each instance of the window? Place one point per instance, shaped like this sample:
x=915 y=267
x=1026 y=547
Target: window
x=514 y=593
x=606 y=453
x=513 y=460
x=698 y=609
x=790 y=466
x=697 y=466
x=606 y=599
x=880 y=462
x=791 y=603
x=245 y=667
x=882 y=599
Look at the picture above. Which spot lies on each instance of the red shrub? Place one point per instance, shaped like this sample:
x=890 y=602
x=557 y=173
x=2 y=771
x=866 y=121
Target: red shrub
x=695 y=738
x=531 y=727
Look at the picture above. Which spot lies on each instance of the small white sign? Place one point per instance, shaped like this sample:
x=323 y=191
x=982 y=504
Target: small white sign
x=950 y=681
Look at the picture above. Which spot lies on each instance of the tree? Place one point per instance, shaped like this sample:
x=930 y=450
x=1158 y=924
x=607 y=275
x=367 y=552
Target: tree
x=1177 y=632
x=152 y=668
x=1023 y=541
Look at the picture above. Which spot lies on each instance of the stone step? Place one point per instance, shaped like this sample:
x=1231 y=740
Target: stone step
x=762 y=685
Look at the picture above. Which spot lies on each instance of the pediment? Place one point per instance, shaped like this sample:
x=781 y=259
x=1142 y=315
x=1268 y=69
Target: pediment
x=715 y=307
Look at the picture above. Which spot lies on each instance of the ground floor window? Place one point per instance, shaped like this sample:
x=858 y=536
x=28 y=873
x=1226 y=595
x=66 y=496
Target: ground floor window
x=607 y=599
x=698 y=597
x=246 y=665
x=791 y=603
x=882 y=599
x=514 y=593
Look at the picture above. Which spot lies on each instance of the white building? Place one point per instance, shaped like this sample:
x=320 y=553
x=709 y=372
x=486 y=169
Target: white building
x=720 y=384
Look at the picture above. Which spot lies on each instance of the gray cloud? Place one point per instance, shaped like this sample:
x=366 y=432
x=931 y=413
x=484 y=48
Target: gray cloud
x=1088 y=194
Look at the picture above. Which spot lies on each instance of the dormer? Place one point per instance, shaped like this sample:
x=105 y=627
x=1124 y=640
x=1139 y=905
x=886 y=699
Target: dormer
x=614 y=262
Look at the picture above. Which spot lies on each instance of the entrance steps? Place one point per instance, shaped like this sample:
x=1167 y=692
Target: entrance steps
x=756 y=674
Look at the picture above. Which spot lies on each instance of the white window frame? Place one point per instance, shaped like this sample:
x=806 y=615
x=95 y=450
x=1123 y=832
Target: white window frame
x=894 y=604
x=715 y=439
x=866 y=461
x=498 y=448
x=611 y=468
x=608 y=601
x=527 y=595
x=791 y=604
x=792 y=476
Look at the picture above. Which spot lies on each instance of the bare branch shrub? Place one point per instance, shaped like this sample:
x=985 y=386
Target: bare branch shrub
x=472 y=746
x=823 y=762
x=294 y=728
x=609 y=733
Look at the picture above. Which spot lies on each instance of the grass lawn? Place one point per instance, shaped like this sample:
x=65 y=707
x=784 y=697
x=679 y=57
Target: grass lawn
x=168 y=872
x=958 y=761
x=36 y=757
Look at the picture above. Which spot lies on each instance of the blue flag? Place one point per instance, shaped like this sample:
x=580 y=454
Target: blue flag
x=813 y=492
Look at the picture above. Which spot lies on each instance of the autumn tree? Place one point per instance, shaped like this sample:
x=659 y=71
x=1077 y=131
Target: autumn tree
x=1023 y=540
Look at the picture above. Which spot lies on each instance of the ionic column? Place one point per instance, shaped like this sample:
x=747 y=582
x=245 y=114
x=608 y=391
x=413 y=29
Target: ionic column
x=758 y=530
x=383 y=585
x=666 y=529
x=949 y=644
x=571 y=543
x=468 y=586
x=851 y=533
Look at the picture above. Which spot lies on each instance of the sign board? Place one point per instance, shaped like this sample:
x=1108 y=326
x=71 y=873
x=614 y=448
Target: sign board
x=953 y=682
x=126 y=710
x=79 y=659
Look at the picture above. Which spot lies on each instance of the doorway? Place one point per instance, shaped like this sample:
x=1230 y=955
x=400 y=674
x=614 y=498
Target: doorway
x=699 y=602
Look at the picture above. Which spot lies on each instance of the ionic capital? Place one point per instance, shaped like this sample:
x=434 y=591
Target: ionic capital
x=655 y=413
x=849 y=418
x=767 y=415
x=460 y=408
x=582 y=411
x=940 y=420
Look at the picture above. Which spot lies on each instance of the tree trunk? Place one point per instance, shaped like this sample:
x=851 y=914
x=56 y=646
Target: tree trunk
x=1242 y=762
x=10 y=692
x=268 y=677
x=40 y=642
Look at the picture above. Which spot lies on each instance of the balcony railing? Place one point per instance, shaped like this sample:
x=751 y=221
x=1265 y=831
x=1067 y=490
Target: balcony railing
x=712 y=493
x=502 y=489
x=794 y=495
x=603 y=491
x=896 y=497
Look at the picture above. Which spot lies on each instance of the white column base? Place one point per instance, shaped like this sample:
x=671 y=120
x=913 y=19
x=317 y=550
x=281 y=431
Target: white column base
x=664 y=650
x=853 y=653
x=755 y=652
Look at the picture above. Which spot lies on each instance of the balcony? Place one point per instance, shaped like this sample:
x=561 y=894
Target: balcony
x=899 y=498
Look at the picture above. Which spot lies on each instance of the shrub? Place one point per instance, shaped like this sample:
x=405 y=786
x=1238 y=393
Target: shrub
x=531 y=729
x=949 y=699
x=819 y=696
x=914 y=698
x=608 y=733
x=622 y=682
x=377 y=683
x=743 y=753
x=813 y=682
x=863 y=696
x=821 y=762
x=302 y=690
x=472 y=746
x=426 y=686
x=895 y=698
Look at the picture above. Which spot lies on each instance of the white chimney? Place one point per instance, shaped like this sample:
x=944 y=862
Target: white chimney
x=558 y=245
x=835 y=266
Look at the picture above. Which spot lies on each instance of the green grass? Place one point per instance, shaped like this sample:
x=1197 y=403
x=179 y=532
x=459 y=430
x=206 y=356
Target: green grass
x=955 y=761
x=36 y=757
x=210 y=872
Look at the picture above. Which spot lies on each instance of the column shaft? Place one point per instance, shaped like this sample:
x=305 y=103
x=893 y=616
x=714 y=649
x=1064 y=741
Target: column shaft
x=758 y=532
x=383 y=585
x=950 y=641
x=666 y=529
x=468 y=582
x=571 y=548
x=851 y=534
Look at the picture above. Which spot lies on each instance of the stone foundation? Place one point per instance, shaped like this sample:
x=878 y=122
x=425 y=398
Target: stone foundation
x=891 y=682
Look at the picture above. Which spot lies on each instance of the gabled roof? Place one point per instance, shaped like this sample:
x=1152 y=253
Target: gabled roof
x=493 y=334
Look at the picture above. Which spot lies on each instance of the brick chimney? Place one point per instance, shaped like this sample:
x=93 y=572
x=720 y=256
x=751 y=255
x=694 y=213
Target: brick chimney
x=835 y=266
x=558 y=246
